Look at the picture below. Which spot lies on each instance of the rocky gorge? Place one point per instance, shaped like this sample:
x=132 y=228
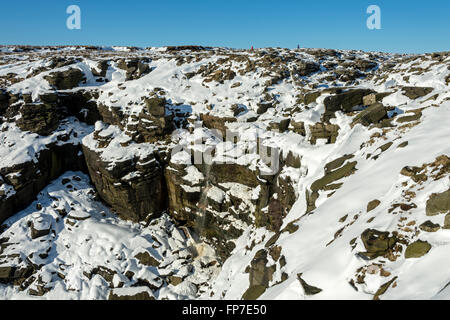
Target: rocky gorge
x=178 y=173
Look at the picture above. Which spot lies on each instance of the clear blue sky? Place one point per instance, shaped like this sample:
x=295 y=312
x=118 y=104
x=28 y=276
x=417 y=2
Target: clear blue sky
x=407 y=25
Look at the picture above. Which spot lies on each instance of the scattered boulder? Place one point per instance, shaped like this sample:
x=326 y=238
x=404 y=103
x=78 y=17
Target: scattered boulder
x=438 y=203
x=416 y=92
x=344 y=101
x=447 y=221
x=309 y=289
x=156 y=106
x=335 y=175
x=324 y=131
x=174 y=280
x=135 y=68
x=373 y=204
x=377 y=243
x=417 y=249
x=429 y=226
x=4 y=101
x=373 y=114
x=306 y=68
x=40 y=227
x=259 y=275
x=147 y=260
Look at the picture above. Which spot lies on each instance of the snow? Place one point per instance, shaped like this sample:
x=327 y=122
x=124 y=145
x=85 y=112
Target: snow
x=99 y=238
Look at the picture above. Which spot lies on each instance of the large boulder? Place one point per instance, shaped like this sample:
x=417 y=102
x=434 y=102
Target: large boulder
x=259 y=275
x=438 y=203
x=305 y=68
x=135 y=68
x=345 y=102
x=417 y=249
x=325 y=131
x=373 y=114
x=377 y=243
x=416 y=92
x=64 y=80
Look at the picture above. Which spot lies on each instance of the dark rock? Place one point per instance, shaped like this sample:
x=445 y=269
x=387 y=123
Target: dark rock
x=4 y=101
x=42 y=119
x=306 y=68
x=373 y=204
x=324 y=131
x=429 y=226
x=259 y=275
x=383 y=288
x=335 y=175
x=174 y=280
x=147 y=260
x=156 y=106
x=377 y=243
x=64 y=80
x=218 y=123
x=416 y=92
x=373 y=114
x=345 y=101
x=309 y=289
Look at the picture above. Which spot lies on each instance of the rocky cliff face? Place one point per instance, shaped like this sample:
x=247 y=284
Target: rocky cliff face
x=300 y=172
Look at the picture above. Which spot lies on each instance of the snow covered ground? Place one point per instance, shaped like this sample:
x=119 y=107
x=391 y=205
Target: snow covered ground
x=69 y=244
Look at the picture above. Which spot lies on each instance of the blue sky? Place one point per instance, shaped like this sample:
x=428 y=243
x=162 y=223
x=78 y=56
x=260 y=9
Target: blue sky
x=407 y=25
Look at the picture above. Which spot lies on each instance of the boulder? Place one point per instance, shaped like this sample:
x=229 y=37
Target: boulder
x=147 y=260
x=429 y=226
x=417 y=249
x=335 y=175
x=305 y=68
x=135 y=68
x=65 y=80
x=373 y=204
x=309 y=289
x=447 y=221
x=259 y=275
x=374 y=98
x=218 y=123
x=324 y=131
x=438 y=203
x=345 y=102
x=416 y=92
x=156 y=106
x=373 y=114
x=377 y=243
